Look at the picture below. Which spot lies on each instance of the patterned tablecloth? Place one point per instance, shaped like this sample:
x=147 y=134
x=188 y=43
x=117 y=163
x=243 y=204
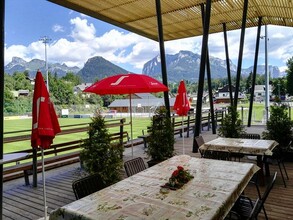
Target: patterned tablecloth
x=209 y=195
x=244 y=146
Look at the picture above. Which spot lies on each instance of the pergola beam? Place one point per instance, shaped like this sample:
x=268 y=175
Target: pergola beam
x=162 y=54
x=209 y=79
x=202 y=68
x=2 y=9
x=254 y=71
x=241 y=45
x=228 y=63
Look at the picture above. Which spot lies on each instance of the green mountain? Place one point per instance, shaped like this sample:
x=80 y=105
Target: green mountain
x=97 y=68
x=20 y=65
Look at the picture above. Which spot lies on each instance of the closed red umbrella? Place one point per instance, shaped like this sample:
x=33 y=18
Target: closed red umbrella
x=182 y=105
x=127 y=84
x=45 y=123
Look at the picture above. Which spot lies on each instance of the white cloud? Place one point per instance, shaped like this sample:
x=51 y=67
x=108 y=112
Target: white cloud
x=58 y=28
x=129 y=49
x=15 y=51
x=283 y=68
x=82 y=31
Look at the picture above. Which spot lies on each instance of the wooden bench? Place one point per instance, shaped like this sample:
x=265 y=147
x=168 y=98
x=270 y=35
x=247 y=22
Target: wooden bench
x=56 y=156
x=145 y=137
x=186 y=125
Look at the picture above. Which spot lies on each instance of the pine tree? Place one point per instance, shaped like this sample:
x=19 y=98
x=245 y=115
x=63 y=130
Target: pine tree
x=161 y=140
x=278 y=126
x=101 y=156
x=231 y=126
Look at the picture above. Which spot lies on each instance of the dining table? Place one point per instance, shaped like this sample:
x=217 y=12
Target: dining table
x=252 y=147
x=210 y=194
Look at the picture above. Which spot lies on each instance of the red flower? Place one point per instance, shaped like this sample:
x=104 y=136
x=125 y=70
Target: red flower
x=179 y=177
x=175 y=173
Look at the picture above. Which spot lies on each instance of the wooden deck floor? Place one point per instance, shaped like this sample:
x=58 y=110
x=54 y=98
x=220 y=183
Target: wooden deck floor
x=26 y=202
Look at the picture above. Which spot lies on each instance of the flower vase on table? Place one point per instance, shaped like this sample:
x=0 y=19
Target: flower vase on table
x=179 y=177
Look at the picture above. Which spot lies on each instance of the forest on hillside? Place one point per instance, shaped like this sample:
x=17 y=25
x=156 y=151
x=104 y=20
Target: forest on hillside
x=62 y=90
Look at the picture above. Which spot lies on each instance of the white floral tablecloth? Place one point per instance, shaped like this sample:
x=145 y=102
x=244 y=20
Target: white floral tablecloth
x=209 y=195
x=239 y=145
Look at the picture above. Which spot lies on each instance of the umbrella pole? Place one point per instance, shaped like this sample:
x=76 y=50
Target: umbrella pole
x=131 y=132
x=182 y=126
x=44 y=186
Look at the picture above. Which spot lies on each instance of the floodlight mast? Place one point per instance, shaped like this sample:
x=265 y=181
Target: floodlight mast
x=267 y=75
x=45 y=41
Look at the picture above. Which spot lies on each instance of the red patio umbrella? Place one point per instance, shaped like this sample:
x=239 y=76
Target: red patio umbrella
x=45 y=123
x=182 y=105
x=127 y=84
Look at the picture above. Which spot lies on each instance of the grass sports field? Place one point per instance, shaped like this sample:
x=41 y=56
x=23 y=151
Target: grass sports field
x=10 y=125
x=139 y=124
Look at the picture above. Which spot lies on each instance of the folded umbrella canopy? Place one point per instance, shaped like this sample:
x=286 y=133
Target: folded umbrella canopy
x=127 y=84
x=182 y=105
x=45 y=123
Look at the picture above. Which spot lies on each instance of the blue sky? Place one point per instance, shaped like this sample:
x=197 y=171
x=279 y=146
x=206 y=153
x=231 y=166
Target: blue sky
x=76 y=37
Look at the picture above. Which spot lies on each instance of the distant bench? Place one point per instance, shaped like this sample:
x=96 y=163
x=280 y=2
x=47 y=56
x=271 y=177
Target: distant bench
x=183 y=126
x=186 y=125
x=179 y=128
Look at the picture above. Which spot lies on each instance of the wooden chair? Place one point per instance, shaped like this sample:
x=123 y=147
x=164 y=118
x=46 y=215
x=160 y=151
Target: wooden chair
x=246 y=208
x=250 y=136
x=198 y=141
x=232 y=215
x=244 y=136
x=254 y=179
x=217 y=155
x=134 y=166
x=87 y=185
x=278 y=158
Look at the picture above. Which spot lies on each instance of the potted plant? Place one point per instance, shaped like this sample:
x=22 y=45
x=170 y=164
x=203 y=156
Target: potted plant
x=99 y=155
x=231 y=125
x=279 y=126
x=161 y=139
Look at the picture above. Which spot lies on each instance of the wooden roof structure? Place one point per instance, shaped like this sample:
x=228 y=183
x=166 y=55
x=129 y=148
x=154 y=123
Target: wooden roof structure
x=182 y=18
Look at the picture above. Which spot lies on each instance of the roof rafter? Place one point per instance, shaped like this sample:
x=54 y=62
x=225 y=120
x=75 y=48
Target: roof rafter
x=182 y=19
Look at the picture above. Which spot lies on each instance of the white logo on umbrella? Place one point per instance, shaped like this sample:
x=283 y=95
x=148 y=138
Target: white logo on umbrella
x=118 y=81
x=39 y=100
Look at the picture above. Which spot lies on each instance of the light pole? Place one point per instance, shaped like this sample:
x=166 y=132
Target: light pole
x=46 y=40
x=267 y=75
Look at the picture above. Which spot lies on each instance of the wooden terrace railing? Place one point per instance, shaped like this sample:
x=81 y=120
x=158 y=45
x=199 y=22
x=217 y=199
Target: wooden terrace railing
x=58 y=155
x=68 y=152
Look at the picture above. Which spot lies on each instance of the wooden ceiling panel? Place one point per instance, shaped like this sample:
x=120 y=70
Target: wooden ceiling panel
x=182 y=19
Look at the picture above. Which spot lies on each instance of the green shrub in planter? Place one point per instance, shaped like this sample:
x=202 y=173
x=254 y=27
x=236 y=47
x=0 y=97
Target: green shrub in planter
x=231 y=125
x=161 y=140
x=99 y=156
x=279 y=126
